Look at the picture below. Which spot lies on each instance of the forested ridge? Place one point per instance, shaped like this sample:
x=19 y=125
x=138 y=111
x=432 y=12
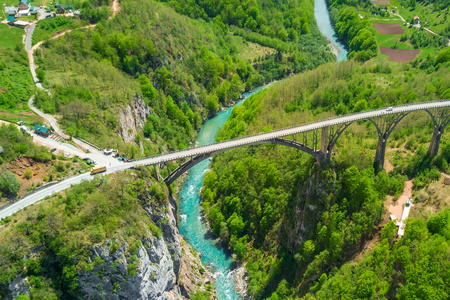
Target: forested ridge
x=183 y=69
x=51 y=243
x=295 y=223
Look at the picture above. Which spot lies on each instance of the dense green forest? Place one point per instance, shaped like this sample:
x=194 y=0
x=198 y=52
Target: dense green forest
x=358 y=33
x=285 y=20
x=415 y=267
x=277 y=209
x=184 y=70
x=66 y=226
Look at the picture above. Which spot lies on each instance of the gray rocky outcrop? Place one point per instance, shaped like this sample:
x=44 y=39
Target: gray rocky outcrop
x=147 y=274
x=132 y=118
x=311 y=202
x=19 y=286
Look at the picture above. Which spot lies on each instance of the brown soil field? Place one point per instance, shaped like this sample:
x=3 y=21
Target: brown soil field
x=384 y=28
x=382 y=2
x=400 y=55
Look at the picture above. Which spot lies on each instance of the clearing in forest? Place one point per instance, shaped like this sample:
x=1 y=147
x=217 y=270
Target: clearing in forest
x=385 y=28
x=400 y=55
x=396 y=208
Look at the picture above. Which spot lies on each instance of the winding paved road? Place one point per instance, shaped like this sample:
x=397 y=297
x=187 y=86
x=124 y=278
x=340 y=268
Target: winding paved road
x=220 y=147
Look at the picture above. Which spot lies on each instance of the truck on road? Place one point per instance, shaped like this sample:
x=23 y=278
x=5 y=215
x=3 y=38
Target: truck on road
x=98 y=169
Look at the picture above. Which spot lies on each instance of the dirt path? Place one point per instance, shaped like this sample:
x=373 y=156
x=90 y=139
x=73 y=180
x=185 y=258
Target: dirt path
x=115 y=8
x=396 y=208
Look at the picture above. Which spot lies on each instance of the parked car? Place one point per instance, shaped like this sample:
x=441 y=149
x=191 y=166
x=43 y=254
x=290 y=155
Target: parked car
x=53 y=150
x=66 y=155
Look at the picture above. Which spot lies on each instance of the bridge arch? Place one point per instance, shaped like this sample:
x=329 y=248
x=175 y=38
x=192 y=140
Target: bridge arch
x=187 y=165
x=385 y=120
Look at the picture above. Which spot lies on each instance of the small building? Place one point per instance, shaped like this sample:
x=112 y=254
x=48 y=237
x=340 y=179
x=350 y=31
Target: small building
x=60 y=9
x=42 y=130
x=416 y=20
x=23 y=12
x=24 y=4
x=10 y=19
x=11 y=13
x=21 y=23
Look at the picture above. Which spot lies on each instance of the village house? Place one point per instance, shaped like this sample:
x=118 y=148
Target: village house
x=416 y=20
x=24 y=4
x=11 y=15
x=42 y=130
x=24 y=8
x=60 y=9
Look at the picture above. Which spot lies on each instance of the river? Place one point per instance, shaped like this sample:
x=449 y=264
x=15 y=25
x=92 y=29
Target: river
x=191 y=225
x=323 y=21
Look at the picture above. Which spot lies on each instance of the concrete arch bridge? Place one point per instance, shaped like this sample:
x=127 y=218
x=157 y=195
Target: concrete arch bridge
x=316 y=139
x=321 y=138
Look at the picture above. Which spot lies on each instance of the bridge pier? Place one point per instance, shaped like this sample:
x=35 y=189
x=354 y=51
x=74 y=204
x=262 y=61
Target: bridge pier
x=384 y=125
x=440 y=118
x=435 y=141
x=156 y=173
x=380 y=153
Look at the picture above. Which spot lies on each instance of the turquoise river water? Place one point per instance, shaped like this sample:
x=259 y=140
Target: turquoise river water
x=191 y=225
x=323 y=21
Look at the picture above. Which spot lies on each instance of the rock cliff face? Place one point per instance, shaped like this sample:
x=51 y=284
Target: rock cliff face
x=114 y=279
x=311 y=201
x=160 y=269
x=132 y=118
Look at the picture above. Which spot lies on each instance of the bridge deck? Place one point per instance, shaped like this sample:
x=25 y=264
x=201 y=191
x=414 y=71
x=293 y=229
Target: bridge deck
x=220 y=147
x=254 y=139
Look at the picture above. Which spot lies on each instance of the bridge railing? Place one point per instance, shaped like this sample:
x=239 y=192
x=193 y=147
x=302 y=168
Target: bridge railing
x=382 y=111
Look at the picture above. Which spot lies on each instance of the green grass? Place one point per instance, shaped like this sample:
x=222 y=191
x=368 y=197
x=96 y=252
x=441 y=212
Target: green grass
x=393 y=40
x=10 y=36
x=46 y=28
x=248 y=51
x=15 y=77
x=33 y=3
x=23 y=114
x=426 y=14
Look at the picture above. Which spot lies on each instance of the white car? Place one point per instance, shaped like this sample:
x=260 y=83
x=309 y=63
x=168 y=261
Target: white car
x=389 y=108
x=66 y=155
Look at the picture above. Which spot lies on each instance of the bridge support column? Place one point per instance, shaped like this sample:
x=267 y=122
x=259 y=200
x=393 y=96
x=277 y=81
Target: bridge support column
x=384 y=125
x=324 y=144
x=440 y=118
x=435 y=142
x=380 y=154
x=156 y=173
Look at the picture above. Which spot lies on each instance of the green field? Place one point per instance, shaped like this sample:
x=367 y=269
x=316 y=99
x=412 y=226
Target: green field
x=10 y=36
x=16 y=81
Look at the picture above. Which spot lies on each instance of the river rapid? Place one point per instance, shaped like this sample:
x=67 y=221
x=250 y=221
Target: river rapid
x=191 y=225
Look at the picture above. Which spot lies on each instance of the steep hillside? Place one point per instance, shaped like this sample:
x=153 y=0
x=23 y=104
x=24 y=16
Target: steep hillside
x=115 y=239
x=292 y=220
x=184 y=70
